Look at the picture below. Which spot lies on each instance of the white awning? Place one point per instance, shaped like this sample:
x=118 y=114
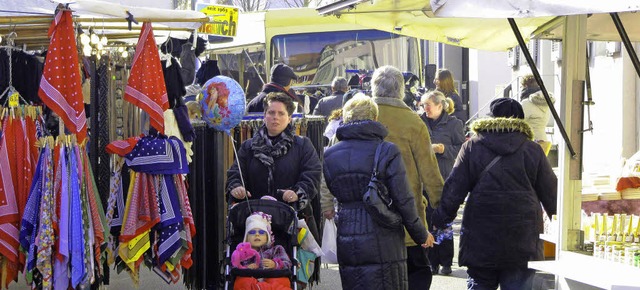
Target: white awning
x=482 y=24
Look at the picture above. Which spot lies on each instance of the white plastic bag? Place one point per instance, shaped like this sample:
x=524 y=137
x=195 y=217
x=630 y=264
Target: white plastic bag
x=329 y=246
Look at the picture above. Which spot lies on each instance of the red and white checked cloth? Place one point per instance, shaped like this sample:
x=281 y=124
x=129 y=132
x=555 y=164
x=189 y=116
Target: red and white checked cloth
x=146 y=88
x=60 y=86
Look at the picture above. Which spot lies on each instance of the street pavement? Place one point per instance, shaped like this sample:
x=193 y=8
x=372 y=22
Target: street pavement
x=329 y=275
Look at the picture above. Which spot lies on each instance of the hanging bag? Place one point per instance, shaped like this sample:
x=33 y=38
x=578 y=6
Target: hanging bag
x=329 y=245
x=377 y=201
x=182 y=118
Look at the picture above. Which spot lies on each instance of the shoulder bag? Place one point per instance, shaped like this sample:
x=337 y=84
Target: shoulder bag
x=377 y=201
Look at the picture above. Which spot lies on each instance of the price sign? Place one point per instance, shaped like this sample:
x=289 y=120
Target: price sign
x=14 y=99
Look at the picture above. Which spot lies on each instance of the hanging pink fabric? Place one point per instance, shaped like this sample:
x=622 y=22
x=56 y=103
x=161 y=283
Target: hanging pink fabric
x=60 y=86
x=146 y=88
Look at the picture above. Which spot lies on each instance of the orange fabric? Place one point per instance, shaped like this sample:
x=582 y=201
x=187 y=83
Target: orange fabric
x=122 y=147
x=146 y=88
x=627 y=182
x=32 y=139
x=250 y=283
x=60 y=86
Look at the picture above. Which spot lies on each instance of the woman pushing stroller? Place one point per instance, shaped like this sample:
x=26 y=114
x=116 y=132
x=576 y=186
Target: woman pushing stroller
x=277 y=163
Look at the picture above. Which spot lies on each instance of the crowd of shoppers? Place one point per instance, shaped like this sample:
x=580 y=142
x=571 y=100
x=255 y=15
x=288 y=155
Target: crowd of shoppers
x=500 y=171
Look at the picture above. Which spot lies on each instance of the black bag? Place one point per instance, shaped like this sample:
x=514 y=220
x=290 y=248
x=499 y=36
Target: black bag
x=377 y=201
x=182 y=118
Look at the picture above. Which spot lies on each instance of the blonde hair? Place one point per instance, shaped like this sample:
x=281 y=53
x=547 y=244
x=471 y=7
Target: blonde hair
x=438 y=97
x=195 y=110
x=335 y=115
x=360 y=107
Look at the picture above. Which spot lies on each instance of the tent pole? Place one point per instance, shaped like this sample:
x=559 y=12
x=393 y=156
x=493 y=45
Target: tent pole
x=627 y=43
x=536 y=75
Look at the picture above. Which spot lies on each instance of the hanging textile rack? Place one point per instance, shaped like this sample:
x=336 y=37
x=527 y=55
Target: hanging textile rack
x=4 y=28
x=48 y=19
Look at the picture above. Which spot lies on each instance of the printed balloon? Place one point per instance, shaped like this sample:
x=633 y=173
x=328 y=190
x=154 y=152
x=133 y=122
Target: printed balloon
x=223 y=103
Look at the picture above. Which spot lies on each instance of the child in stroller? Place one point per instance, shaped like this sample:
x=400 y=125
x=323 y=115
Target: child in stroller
x=258 y=251
x=263 y=234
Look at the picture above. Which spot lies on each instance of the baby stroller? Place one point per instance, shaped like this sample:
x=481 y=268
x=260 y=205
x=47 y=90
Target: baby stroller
x=284 y=225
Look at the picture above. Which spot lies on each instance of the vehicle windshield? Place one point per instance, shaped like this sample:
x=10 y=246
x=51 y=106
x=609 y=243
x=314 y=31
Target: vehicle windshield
x=320 y=56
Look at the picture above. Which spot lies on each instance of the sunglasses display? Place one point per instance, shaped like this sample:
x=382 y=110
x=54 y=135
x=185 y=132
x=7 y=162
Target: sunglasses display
x=253 y=232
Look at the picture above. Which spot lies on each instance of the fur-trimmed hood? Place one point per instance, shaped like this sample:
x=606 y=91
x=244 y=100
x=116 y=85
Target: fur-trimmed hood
x=538 y=98
x=502 y=135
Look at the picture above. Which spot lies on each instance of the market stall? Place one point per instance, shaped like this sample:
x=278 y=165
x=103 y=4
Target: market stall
x=62 y=194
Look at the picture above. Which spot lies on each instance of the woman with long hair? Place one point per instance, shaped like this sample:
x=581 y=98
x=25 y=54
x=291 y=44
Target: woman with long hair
x=444 y=84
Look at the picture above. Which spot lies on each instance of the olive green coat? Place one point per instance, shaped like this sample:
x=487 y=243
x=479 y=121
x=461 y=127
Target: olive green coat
x=411 y=135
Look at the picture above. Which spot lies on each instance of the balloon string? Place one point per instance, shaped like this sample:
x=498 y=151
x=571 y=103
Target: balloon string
x=235 y=152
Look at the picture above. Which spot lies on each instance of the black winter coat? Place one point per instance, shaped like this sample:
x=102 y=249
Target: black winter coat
x=298 y=170
x=370 y=256
x=446 y=130
x=502 y=217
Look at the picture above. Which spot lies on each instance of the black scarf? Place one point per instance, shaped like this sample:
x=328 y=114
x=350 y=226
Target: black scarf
x=266 y=152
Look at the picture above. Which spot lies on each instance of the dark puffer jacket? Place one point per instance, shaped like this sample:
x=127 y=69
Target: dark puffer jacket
x=502 y=217
x=370 y=256
x=446 y=130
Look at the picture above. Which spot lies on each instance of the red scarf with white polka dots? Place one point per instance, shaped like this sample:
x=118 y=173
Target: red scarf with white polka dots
x=146 y=88
x=60 y=86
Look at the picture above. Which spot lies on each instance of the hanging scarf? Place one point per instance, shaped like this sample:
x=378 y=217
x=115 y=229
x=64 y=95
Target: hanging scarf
x=19 y=161
x=266 y=152
x=189 y=225
x=29 y=225
x=158 y=155
x=60 y=86
x=115 y=208
x=97 y=216
x=45 y=239
x=76 y=233
x=60 y=266
x=87 y=228
x=146 y=88
x=9 y=216
x=8 y=205
x=169 y=241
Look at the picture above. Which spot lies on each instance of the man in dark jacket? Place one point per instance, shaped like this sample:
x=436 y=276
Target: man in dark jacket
x=507 y=176
x=330 y=103
x=281 y=77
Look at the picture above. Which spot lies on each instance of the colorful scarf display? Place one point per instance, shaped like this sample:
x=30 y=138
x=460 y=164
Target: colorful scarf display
x=62 y=229
x=156 y=223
